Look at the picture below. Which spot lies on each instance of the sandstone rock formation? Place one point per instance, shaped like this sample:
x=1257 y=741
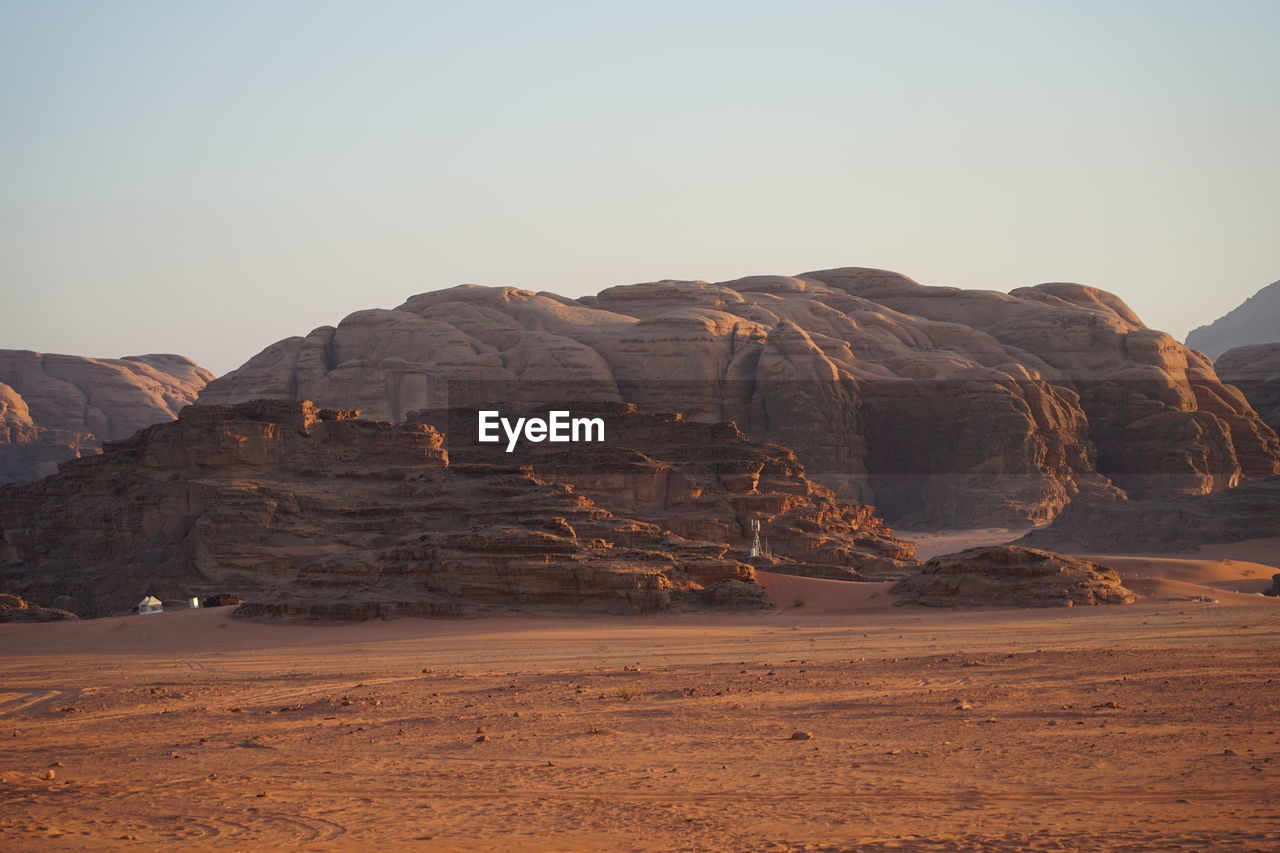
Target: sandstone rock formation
x=1170 y=525
x=13 y=608
x=938 y=406
x=315 y=513
x=1011 y=575
x=1255 y=370
x=1255 y=321
x=59 y=407
x=705 y=482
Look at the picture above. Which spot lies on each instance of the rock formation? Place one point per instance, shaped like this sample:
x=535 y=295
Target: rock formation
x=318 y=514
x=1170 y=525
x=1011 y=575
x=1255 y=321
x=59 y=407
x=938 y=406
x=1255 y=370
x=16 y=609
x=705 y=482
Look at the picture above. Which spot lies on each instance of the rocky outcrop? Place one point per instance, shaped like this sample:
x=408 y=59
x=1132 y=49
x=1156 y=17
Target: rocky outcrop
x=1170 y=526
x=705 y=482
x=1255 y=321
x=1255 y=370
x=16 y=609
x=312 y=513
x=59 y=407
x=939 y=406
x=1011 y=575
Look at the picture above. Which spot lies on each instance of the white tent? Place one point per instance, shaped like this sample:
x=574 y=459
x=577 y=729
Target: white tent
x=150 y=604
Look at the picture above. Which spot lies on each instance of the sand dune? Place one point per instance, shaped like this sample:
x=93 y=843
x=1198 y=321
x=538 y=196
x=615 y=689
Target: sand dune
x=1262 y=551
x=816 y=595
x=1218 y=574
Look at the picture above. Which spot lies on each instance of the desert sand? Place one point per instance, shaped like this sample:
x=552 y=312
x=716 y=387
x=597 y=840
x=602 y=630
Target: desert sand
x=1153 y=726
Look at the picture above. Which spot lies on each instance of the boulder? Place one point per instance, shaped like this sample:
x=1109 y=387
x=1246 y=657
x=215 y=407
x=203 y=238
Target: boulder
x=16 y=609
x=1011 y=575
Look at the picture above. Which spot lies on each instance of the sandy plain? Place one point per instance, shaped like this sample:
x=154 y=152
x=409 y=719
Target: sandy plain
x=1154 y=726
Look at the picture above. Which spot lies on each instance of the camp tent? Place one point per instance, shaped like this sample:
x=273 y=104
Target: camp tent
x=150 y=604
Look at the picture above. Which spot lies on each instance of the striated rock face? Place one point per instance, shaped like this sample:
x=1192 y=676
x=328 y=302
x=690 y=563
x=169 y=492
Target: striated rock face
x=314 y=513
x=16 y=609
x=1011 y=575
x=939 y=406
x=1171 y=525
x=59 y=407
x=1255 y=370
x=705 y=482
x=1256 y=321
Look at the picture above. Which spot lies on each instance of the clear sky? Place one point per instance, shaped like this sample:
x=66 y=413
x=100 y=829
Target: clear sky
x=208 y=177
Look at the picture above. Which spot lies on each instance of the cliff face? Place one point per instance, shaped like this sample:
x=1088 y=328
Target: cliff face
x=937 y=405
x=1169 y=525
x=1255 y=370
x=318 y=514
x=1255 y=321
x=59 y=407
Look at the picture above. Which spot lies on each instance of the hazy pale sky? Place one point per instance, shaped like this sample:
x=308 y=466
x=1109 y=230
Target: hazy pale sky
x=208 y=177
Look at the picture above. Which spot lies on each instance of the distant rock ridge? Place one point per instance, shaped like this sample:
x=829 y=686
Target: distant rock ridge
x=312 y=513
x=938 y=406
x=1255 y=321
x=59 y=407
x=1255 y=370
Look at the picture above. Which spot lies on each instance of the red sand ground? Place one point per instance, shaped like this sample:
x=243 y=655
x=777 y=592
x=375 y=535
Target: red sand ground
x=1149 y=727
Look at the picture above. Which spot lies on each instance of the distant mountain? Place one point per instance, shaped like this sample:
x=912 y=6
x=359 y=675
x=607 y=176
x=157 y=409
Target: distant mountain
x=941 y=407
x=1257 y=321
x=59 y=407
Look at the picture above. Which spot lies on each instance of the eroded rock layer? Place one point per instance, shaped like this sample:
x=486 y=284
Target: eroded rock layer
x=939 y=406
x=1011 y=575
x=1170 y=525
x=705 y=482
x=14 y=608
x=315 y=513
x=59 y=407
